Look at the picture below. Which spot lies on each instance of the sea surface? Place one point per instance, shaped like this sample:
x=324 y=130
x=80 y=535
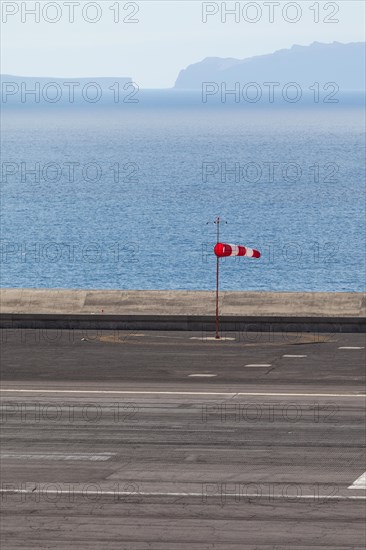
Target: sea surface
x=125 y=198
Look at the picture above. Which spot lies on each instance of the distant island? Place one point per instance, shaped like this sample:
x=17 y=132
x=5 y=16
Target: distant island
x=339 y=63
x=336 y=62
x=33 y=90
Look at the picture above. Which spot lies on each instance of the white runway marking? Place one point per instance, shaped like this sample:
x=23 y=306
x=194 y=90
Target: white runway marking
x=57 y=456
x=99 y=493
x=192 y=393
x=294 y=355
x=258 y=365
x=352 y=347
x=164 y=336
x=209 y=450
x=359 y=483
x=203 y=339
x=202 y=375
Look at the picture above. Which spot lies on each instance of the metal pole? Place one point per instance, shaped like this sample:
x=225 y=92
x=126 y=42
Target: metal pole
x=217 y=279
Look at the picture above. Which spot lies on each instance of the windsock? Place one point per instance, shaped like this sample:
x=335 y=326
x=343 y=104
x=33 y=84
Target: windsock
x=222 y=250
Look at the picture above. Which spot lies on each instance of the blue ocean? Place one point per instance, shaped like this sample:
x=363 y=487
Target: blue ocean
x=111 y=197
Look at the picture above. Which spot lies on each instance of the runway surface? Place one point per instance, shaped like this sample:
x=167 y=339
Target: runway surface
x=172 y=441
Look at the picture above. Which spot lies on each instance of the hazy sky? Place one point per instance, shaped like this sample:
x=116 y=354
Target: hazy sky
x=168 y=35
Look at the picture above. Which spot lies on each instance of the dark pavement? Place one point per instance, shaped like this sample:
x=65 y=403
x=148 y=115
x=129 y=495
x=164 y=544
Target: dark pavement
x=109 y=442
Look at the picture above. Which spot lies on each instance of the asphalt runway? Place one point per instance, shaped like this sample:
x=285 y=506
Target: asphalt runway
x=172 y=441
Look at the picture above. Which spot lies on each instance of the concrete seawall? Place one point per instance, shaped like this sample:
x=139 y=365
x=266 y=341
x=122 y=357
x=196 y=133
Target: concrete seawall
x=182 y=310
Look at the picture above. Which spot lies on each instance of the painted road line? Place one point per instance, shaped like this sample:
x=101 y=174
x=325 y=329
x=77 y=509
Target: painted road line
x=47 y=491
x=216 y=450
x=164 y=336
x=359 y=483
x=191 y=393
x=294 y=355
x=204 y=338
x=57 y=456
x=258 y=365
x=352 y=347
x=203 y=375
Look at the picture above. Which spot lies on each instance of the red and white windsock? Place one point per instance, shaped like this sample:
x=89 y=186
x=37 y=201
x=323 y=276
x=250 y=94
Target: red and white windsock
x=222 y=250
